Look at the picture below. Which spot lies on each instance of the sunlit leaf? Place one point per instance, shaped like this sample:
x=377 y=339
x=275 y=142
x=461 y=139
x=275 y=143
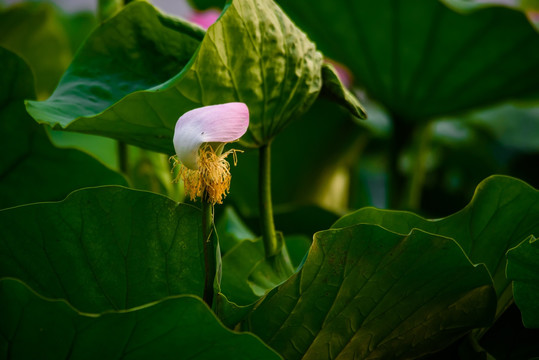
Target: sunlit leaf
x=141 y=70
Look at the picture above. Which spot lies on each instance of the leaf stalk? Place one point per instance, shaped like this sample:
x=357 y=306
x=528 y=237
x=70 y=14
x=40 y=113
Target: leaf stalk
x=210 y=265
x=267 y=224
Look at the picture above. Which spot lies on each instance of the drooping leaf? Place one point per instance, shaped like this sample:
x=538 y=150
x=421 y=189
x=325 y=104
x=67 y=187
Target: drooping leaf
x=523 y=269
x=31 y=168
x=501 y=214
x=334 y=89
x=134 y=51
x=139 y=71
x=365 y=292
x=178 y=327
x=104 y=248
x=420 y=58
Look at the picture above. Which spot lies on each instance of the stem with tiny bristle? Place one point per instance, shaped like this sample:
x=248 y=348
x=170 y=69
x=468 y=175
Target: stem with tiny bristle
x=210 y=265
x=267 y=225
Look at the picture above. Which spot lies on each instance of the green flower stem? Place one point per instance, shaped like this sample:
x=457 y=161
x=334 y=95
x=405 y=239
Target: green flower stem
x=265 y=205
x=209 y=251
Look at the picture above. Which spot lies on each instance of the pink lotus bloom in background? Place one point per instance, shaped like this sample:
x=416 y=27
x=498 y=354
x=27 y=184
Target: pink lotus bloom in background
x=533 y=17
x=205 y=18
x=199 y=139
x=344 y=74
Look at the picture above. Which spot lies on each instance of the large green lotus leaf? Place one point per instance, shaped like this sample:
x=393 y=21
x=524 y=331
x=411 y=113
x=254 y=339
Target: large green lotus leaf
x=139 y=71
x=35 y=32
x=367 y=293
x=420 y=58
x=104 y=248
x=31 y=168
x=136 y=50
x=523 y=269
x=502 y=213
x=179 y=327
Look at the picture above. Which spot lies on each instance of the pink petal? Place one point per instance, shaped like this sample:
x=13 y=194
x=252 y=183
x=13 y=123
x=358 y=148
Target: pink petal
x=205 y=18
x=215 y=123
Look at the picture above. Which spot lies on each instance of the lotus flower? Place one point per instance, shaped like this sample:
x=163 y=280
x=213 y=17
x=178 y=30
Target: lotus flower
x=205 y=18
x=199 y=139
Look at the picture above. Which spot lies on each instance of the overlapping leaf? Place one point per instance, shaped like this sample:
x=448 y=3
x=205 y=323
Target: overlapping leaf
x=104 y=248
x=523 y=269
x=141 y=70
x=420 y=58
x=176 y=328
x=503 y=212
x=31 y=168
x=365 y=292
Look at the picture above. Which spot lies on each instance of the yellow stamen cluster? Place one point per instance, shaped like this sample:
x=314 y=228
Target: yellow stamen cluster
x=211 y=180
